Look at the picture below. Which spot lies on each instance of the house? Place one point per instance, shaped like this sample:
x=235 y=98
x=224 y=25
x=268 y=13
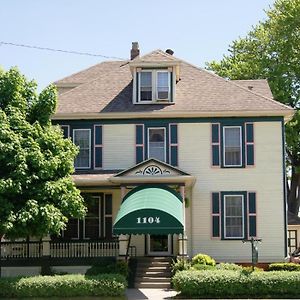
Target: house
x=293 y=232
x=174 y=160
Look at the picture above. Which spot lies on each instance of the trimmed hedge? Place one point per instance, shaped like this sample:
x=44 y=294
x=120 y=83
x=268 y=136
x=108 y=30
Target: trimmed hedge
x=284 y=267
x=233 y=284
x=118 y=267
x=63 y=286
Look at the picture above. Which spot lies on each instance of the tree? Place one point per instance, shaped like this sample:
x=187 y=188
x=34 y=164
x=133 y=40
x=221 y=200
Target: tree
x=271 y=50
x=37 y=194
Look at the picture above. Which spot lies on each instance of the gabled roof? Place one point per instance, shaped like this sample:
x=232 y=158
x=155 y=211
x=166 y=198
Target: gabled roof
x=106 y=89
x=162 y=168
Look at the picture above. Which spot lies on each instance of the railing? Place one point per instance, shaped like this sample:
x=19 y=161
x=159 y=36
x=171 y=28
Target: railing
x=18 y=250
x=83 y=249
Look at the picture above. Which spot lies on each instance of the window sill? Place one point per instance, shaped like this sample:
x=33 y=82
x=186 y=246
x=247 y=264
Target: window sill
x=155 y=102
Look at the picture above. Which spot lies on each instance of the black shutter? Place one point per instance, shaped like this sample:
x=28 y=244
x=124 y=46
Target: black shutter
x=249 y=145
x=173 y=151
x=98 y=147
x=215 y=144
x=216 y=213
x=139 y=143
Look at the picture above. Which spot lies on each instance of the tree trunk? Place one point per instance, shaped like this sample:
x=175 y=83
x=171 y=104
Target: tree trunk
x=294 y=193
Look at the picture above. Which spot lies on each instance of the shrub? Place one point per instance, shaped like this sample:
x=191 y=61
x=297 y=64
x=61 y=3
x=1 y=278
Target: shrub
x=119 y=267
x=200 y=267
x=63 y=286
x=203 y=259
x=180 y=264
x=232 y=284
x=229 y=266
x=284 y=267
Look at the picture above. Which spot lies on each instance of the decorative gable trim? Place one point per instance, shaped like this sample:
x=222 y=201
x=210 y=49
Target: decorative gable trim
x=152 y=167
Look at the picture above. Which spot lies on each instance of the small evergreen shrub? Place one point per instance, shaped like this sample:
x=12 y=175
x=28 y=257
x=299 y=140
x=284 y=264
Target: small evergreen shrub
x=229 y=266
x=232 y=284
x=63 y=286
x=203 y=259
x=284 y=267
x=180 y=264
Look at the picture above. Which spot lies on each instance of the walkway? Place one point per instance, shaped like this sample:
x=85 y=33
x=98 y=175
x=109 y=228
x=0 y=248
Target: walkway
x=152 y=294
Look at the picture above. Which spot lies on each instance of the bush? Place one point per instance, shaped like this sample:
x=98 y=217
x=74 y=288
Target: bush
x=63 y=286
x=229 y=266
x=203 y=259
x=284 y=267
x=200 y=267
x=180 y=265
x=232 y=284
x=119 y=267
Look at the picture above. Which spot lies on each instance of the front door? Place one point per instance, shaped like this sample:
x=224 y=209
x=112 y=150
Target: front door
x=159 y=245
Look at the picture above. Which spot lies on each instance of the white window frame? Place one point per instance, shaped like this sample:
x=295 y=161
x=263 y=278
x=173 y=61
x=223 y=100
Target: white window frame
x=99 y=219
x=90 y=146
x=154 y=86
x=165 y=142
x=241 y=148
x=243 y=218
x=72 y=238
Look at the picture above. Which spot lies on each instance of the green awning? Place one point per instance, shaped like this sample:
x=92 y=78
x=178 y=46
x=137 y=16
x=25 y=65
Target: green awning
x=150 y=210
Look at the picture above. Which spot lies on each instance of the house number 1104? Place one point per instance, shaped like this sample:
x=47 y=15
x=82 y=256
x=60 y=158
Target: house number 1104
x=148 y=220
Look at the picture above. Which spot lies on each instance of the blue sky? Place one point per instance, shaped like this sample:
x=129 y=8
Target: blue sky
x=197 y=30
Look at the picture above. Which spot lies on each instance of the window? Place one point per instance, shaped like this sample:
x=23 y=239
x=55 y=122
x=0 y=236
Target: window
x=233 y=216
x=146 y=86
x=162 y=85
x=97 y=223
x=232 y=146
x=154 y=85
x=157 y=143
x=82 y=138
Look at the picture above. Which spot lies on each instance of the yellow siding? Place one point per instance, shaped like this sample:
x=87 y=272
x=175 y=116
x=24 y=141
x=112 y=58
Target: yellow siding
x=265 y=178
x=118 y=146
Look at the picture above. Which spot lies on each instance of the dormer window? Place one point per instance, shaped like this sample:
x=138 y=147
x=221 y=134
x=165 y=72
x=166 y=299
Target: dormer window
x=154 y=86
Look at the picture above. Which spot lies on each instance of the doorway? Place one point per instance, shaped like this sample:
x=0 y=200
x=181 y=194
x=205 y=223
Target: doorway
x=159 y=245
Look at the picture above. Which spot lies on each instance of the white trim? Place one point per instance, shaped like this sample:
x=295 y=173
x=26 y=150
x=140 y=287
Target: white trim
x=287 y=114
x=165 y=142
x=243 y=217
x=155 y=99
x=241 y=148
x=89 y=130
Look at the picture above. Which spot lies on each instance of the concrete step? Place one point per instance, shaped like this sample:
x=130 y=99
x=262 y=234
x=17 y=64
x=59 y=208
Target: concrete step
x=152 y=268
x=153 y=279
x=152 y=285
x=154 y=274
x=153 y=263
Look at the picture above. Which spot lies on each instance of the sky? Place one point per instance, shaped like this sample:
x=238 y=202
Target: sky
x=198 y=31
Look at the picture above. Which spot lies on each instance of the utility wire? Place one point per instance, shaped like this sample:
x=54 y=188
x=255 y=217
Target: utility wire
x=60 y=50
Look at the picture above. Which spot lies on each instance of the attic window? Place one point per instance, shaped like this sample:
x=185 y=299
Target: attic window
x=154 y=86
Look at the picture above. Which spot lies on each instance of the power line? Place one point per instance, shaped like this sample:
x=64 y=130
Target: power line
x=60 y=50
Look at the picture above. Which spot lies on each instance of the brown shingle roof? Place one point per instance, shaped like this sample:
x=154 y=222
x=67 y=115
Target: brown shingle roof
x=107 y=87
x=259 y=86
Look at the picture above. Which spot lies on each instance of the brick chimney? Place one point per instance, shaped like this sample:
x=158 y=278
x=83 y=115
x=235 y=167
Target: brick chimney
x=135 y=51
